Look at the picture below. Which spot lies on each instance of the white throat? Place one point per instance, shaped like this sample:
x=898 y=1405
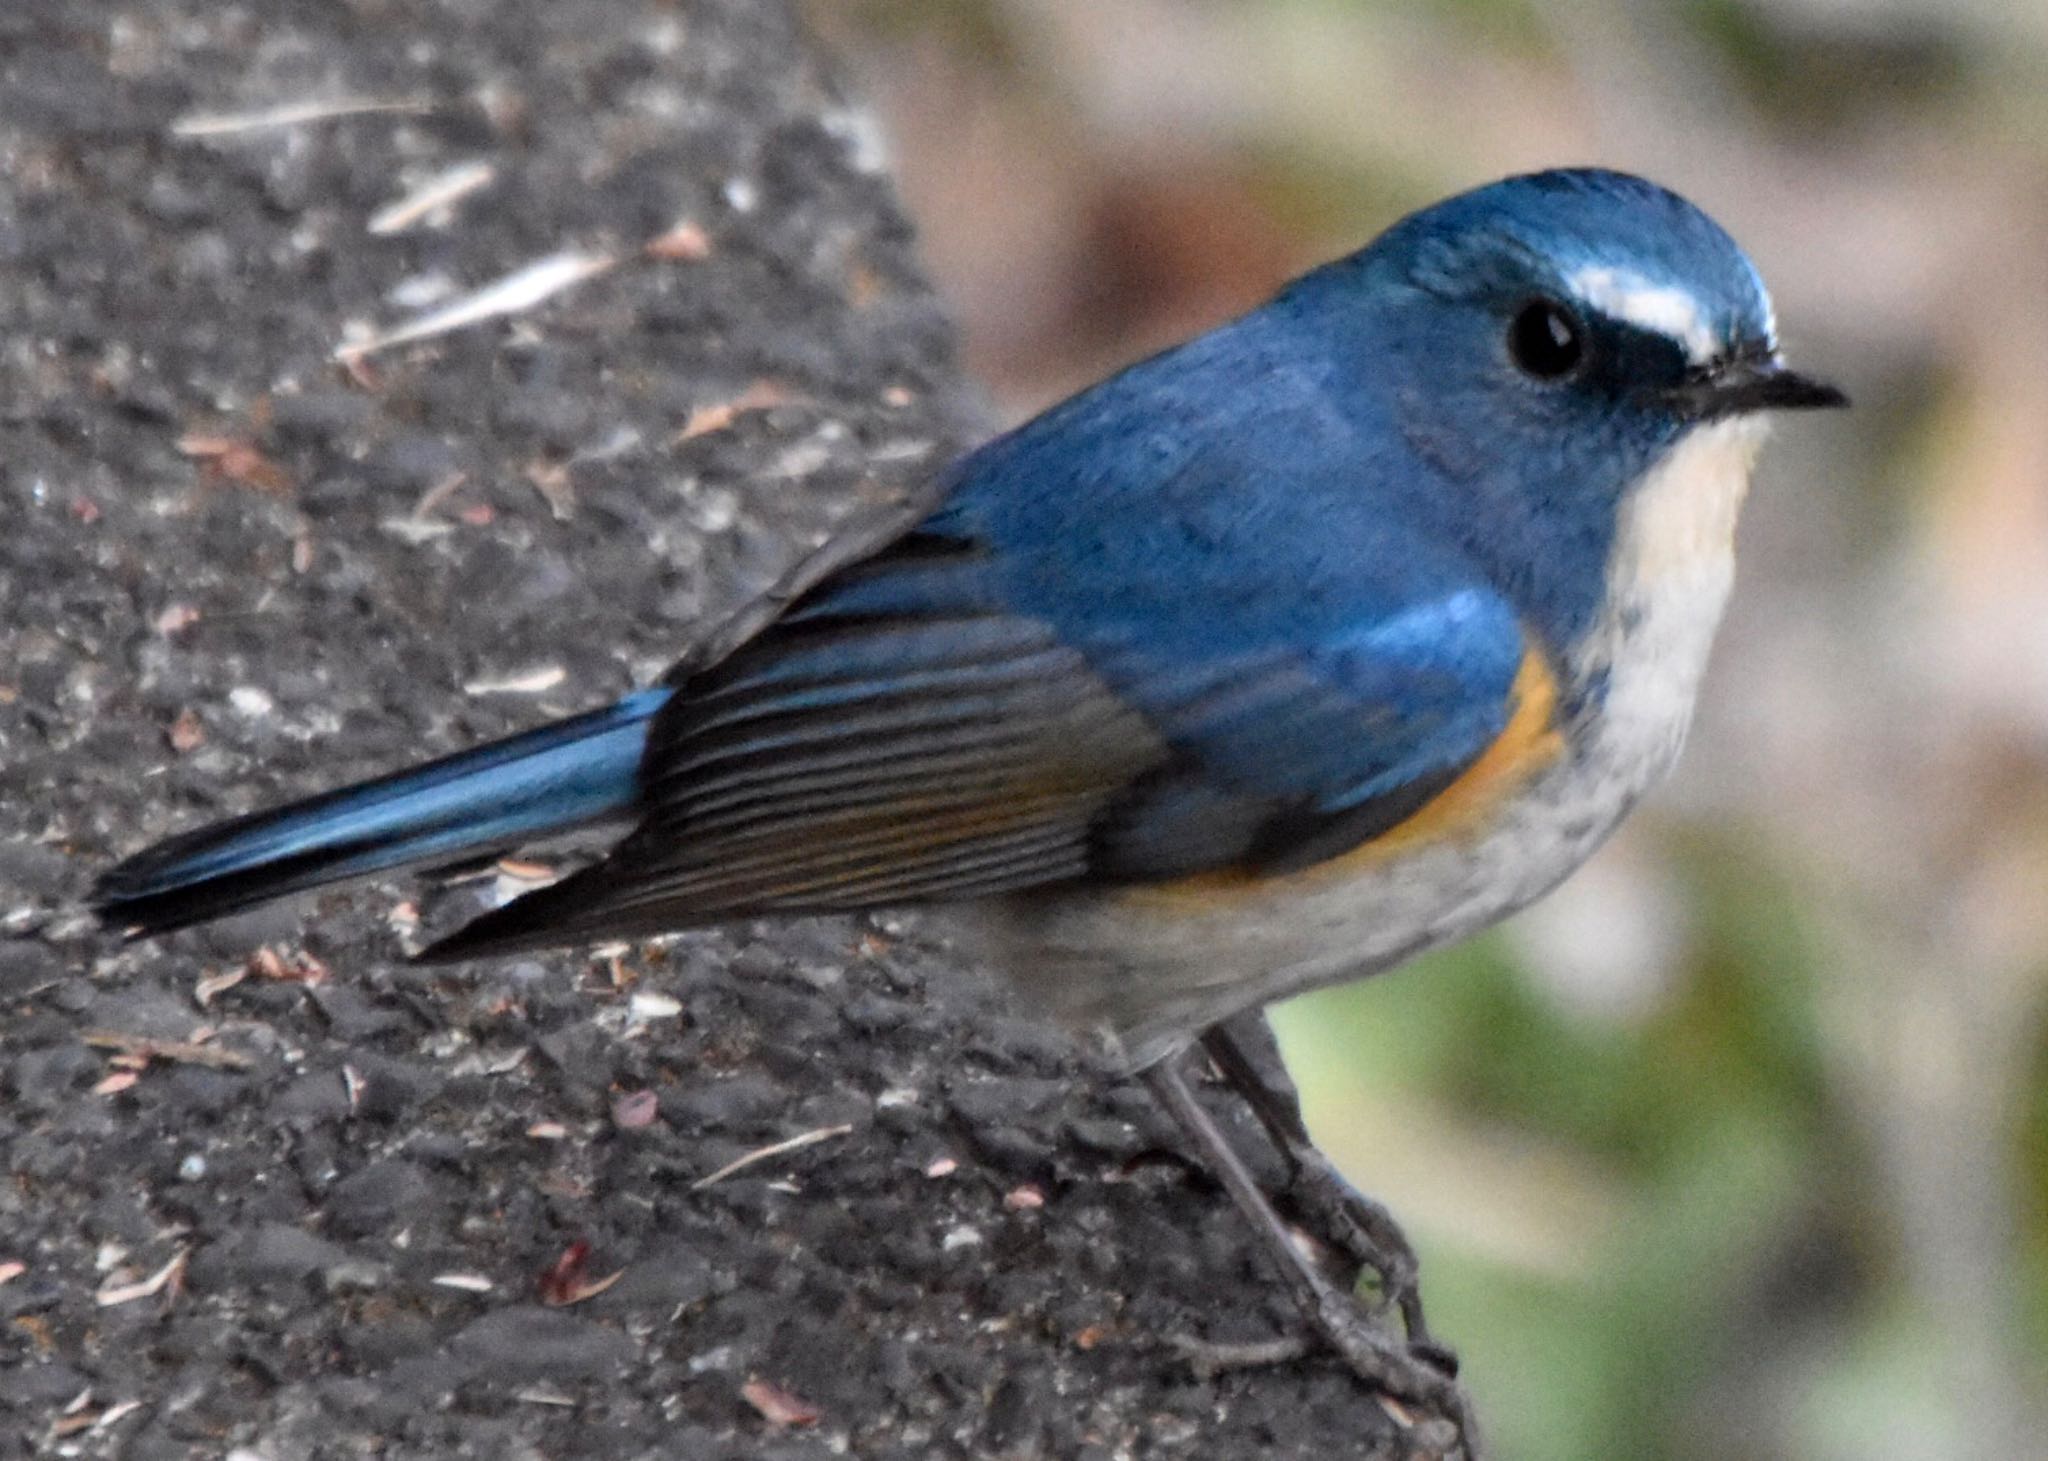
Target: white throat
x=1668 y=577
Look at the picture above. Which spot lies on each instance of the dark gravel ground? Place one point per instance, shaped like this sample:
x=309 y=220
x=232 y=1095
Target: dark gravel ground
x=316 y=1221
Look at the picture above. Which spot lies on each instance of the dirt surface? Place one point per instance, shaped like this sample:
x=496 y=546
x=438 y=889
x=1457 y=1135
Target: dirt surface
x=269 y=1191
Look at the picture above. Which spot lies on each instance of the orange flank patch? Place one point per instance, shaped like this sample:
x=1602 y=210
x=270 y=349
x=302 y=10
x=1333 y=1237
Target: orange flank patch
x=1529 y=742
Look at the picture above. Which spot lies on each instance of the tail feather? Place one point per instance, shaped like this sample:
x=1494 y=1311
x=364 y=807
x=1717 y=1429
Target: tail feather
x=549 y=780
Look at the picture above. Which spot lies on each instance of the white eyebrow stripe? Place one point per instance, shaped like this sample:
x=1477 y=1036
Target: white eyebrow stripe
x=1770 y=308
x=1664 y=308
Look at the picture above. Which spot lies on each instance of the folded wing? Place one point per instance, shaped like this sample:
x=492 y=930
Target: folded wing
x=906 y=734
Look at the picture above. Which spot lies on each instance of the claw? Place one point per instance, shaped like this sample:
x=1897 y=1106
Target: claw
x=1410 y=1368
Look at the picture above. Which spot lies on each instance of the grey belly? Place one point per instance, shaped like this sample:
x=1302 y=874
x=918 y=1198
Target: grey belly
x=1150 y=969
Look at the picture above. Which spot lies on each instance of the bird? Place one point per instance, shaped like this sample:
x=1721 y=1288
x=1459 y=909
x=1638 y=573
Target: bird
x=1330 y=636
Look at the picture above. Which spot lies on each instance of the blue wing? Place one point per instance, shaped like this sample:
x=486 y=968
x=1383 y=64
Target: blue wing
x=1218 y=644
x=1292 y=755
x=899 y=737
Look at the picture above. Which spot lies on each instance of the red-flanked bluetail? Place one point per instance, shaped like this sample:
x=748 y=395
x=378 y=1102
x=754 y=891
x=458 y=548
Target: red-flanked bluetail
x=1328 y=637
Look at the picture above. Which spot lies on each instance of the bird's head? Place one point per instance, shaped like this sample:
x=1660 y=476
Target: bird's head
x=1544 y=343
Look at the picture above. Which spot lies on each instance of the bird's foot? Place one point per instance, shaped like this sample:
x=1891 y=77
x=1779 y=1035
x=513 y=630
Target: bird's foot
x=1367 y=1235
x=1392 y=1363
x=1397 y=1368
x=1335 y=1213
x=1401 y=1367
x=1406 y=1372
x=1441 y=1422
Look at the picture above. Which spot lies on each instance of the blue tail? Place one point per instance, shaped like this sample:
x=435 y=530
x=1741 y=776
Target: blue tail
x=529 y=786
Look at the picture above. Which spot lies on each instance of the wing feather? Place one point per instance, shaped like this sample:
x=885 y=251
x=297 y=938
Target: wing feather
x=905 y=765
x=903 y=736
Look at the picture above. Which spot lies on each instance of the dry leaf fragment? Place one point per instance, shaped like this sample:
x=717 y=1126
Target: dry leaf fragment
x=523 y=289
x=551 y=481
x=686 y=242
x=773 y=1149
x=545 y=1395
x=174 y=618
x=527 y=682
x=1398 y=1413
x=230 y=459
x=142 y=1049
x=299 y=968
x=469 y=1283
x=213 y=984
x=564 y=1271
x=568 y=1281
x=37 y=1328
x=361 y=373
x=778 y=1406
x=650 y=1004
x=114 y=1413
x=439 y=493
x=187 y=733
x=170 y=1276
x=436 y=195
x=635 y=1109
x=704 y=420
x=290 y=114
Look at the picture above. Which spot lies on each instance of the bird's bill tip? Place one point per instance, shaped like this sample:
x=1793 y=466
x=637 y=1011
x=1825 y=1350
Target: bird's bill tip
x=1743 y=386
x=1781 y=388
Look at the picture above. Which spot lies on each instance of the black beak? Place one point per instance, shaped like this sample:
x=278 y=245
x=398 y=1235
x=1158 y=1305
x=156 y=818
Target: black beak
x=1743 y=384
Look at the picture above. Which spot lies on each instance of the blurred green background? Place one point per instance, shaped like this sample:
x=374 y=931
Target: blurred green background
x=1738 y=1146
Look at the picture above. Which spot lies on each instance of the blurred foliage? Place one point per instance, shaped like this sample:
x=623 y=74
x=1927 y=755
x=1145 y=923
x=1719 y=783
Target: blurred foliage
x=1738 y=1146
x=1709 y=1129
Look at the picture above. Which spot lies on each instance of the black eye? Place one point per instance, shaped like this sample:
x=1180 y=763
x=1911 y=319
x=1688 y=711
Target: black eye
x=1546 y=340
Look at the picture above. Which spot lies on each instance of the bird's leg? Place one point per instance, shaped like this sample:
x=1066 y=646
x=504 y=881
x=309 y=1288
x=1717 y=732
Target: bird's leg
x=1346 y=1218
x=1329 y=1309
